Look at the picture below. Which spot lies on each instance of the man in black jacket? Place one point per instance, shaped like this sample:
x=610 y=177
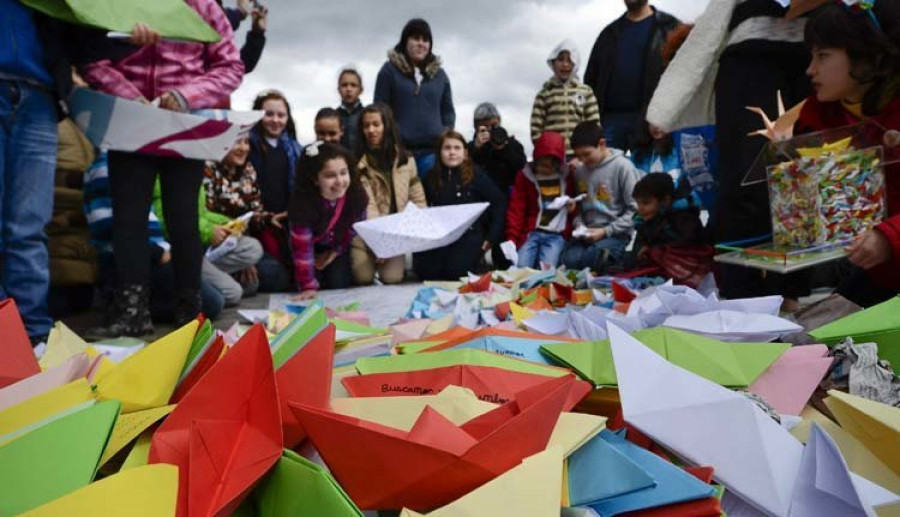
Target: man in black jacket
x=625 y=67
x=500 y=158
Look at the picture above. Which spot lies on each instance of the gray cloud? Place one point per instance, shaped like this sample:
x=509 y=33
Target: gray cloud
x=492 y=51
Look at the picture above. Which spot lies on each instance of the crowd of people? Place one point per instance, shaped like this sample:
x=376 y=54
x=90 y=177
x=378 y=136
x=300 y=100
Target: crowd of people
x=610 y=185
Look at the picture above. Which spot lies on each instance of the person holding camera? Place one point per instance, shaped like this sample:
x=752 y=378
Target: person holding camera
x=500 y=155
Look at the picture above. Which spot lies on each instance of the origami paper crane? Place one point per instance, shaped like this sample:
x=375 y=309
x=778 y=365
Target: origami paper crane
x=879 y=324
x=55 y=459
x=520 y=345
x=303 y=354
x=401 y=467
x=226 y=432
x=465 y=356
x=16 y=355
x=149 y=491
x=120 y=124
x=671 y=484
x=727 y=364
x=532 y=489
x=790 y=381
x=704 y=423
x=489 y=383
x=876 y=425
x=297 y=487
x=730 y=325
x=148 y=378
x=418 y=229
x=825 y=485
x=74 y=368
x=783 y=127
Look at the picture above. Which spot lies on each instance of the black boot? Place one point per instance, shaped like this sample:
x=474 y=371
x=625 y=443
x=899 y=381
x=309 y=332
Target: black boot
x=187 y=306
x=130 y=314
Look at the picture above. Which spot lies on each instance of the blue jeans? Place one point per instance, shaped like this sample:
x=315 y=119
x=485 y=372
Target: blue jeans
x=621 y=129
x=597 y=256
x=424 y=164
x=28 y=138
x=541 y=247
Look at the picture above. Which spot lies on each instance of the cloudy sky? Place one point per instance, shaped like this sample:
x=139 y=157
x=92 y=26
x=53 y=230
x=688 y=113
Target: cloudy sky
x=493 y=51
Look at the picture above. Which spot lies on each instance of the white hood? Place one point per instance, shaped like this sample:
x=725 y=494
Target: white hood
x=564 y=46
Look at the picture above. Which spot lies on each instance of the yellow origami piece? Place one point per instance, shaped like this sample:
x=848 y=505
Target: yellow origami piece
x=39 y=410
x=834 y=147
x=140 y=452
x=150 y=491
x=148 y=378
x=574 y=430
x=520 y=313
x=783 y=127
x=130 y=426
x=533 y=489
x=859 y=459
x=876 y=425
x=62 y=344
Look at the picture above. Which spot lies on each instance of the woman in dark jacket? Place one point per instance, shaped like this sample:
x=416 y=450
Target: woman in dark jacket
x=456 y=181
x=417 y=89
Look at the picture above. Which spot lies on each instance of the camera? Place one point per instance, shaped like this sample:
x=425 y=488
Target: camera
x=499 y=136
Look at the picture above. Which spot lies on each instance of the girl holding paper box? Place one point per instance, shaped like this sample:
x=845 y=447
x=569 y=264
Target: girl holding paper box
x=855 y=70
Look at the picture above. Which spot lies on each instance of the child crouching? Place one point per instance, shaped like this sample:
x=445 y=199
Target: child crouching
x=669 y=230
x=327 y=201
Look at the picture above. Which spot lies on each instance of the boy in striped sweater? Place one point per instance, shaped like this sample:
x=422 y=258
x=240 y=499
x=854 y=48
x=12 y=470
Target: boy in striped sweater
x=564 y=101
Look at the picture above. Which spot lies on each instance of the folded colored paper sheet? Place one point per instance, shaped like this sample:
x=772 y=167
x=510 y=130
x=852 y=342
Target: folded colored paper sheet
x=727 y=364
x=492 y=384
x=876 y=425
x=672 y=484
x=197 y=368
x=148 y=378
x=384 y=468
x=412 y=330
x=129 y=426
x=729 y=325
x=825 y=485
x=860 y=459
x=226 y=432
x=520 y=345
x=297 y=487
x=709 y=507
x=17 y=359
x=72 y=369
x=418 y=229
x=458 y=405
x=303 y=354
x=532 y=489
x=62 y=344
x=46 y=407
x=349 y=330
x=754 y=456
x=170 y=18
x=791 y=380
x=414 y=362
x=599 y=471
x=54 y=460
x=879 y=324
x=150 y=491
x=120 y=124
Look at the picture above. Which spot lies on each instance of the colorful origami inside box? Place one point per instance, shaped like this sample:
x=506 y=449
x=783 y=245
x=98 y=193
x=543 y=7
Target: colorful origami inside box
x=826 y=198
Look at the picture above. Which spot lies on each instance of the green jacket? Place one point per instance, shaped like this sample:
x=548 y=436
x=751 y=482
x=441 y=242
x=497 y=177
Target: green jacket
x=208 y=220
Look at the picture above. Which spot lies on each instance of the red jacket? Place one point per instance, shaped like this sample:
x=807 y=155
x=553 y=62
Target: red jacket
x=818 y=116
x=524 y=209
